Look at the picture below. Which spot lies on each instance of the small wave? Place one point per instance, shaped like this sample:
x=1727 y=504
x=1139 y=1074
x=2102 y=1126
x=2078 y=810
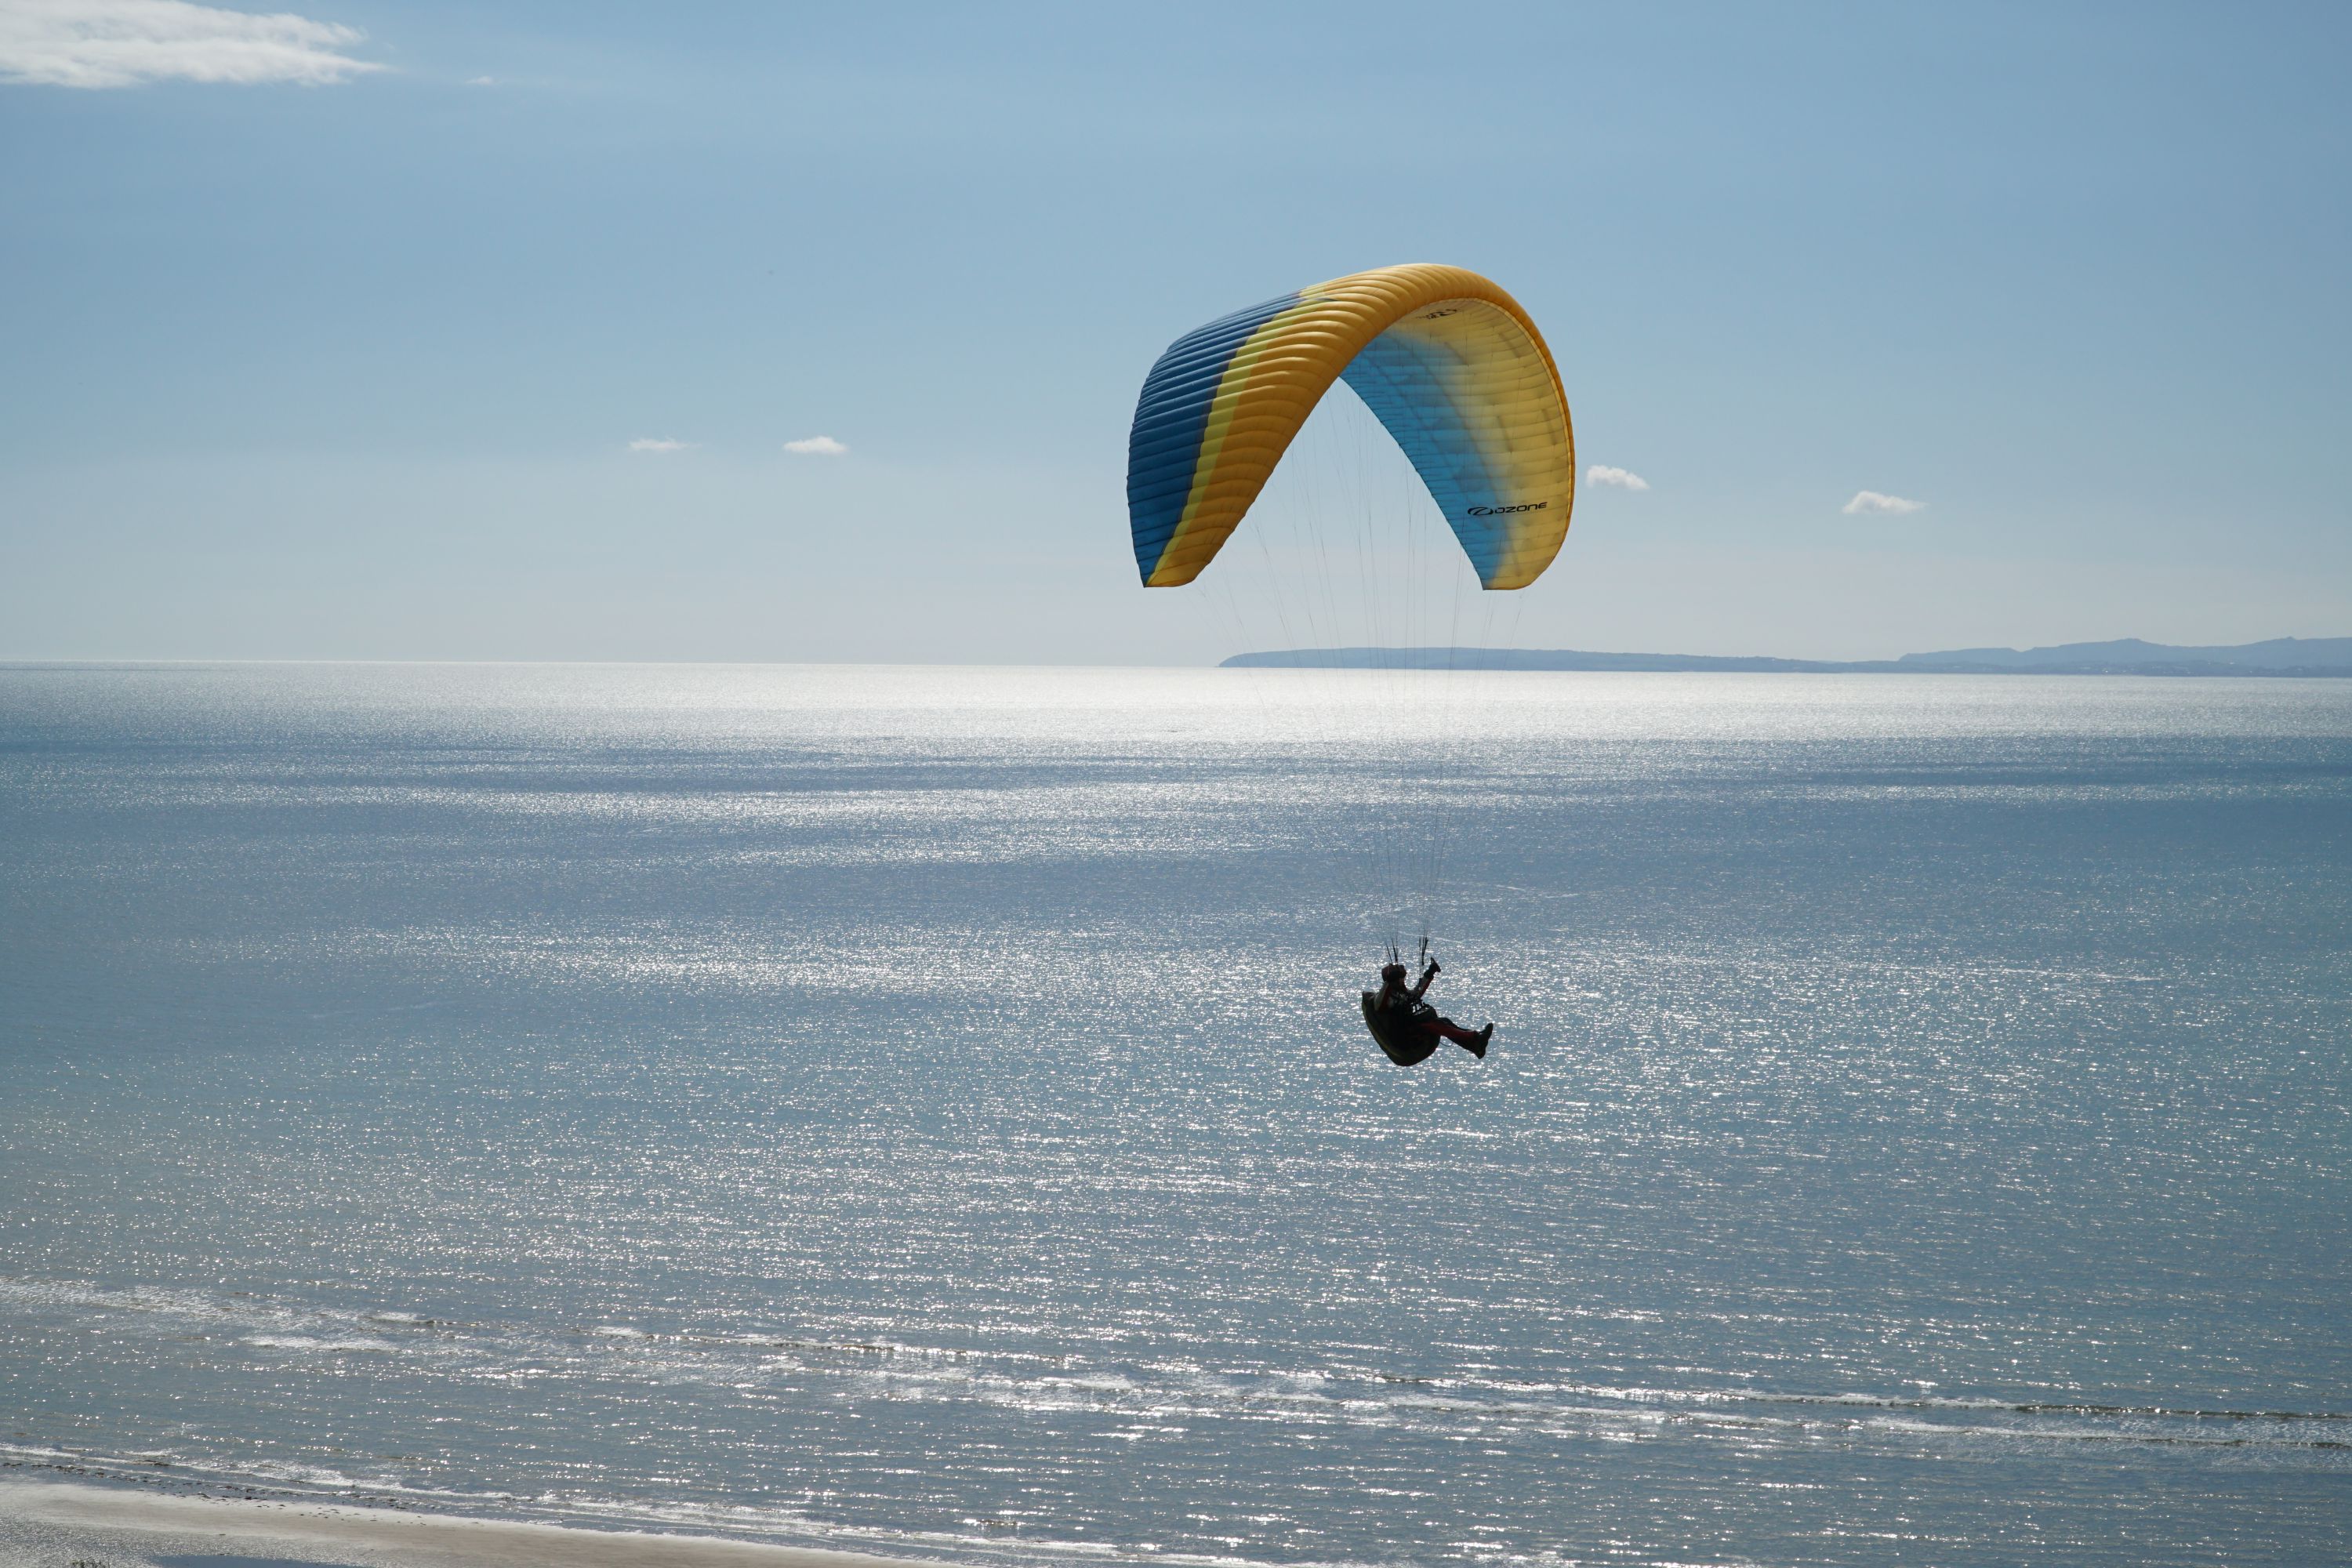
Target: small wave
x=303 y=1475
x=2033 y=1407
x=234 y=1309
x=309 y=1342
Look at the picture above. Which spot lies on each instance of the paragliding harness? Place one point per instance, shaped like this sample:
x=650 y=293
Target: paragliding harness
x=1398 y=1030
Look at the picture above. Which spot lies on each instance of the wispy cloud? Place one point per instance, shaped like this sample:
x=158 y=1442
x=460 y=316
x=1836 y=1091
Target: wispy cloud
x=661 y=446
x=817 y=446
x=1872 y=504
x=1623 y=478
x=123 y=42
x=482 y=81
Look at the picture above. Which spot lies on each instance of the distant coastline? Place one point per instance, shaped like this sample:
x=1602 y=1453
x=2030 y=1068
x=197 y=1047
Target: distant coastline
x=2290 y=656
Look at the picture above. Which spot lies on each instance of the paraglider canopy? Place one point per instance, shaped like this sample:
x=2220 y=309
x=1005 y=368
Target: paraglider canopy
x=1449 y=363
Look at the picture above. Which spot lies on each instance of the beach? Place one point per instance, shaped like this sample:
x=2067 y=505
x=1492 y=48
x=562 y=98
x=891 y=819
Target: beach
x=49 y=1523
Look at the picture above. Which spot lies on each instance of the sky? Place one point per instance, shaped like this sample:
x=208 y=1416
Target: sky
x=771 y=333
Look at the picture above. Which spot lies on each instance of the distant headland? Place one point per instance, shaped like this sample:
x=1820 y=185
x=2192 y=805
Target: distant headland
x=2128 y=656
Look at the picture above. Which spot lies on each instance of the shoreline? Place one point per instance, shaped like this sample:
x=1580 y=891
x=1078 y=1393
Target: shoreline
x=124 y=1524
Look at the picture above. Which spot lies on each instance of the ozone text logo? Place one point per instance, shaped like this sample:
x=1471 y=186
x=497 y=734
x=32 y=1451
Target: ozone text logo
x=1505 y=510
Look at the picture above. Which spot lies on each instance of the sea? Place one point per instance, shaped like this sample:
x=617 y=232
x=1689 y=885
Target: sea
x=926 y=1111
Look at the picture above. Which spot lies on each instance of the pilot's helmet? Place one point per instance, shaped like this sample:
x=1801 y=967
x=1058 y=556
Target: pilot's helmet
x=1392 y=972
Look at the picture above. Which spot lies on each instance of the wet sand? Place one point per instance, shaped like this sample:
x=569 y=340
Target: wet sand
x=49 y=1524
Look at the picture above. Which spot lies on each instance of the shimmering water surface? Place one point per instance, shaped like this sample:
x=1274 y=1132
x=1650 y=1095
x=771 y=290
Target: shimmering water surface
x=922 y=1111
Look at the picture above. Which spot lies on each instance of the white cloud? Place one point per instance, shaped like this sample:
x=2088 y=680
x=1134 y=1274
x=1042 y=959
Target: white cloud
x=481 y=81
x=660 y=445
x=817 y=446
x=123 y=42
x=1871 y=503
x=1623 y=478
